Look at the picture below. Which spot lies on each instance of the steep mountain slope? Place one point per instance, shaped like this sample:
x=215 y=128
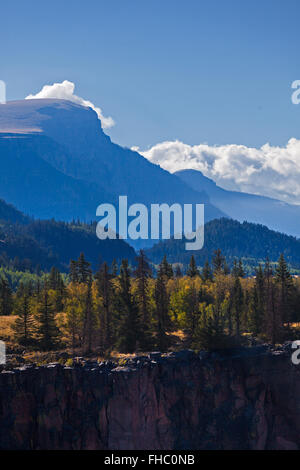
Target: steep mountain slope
x=28 y=181
x=78 y=148
x=8 y=213
x=236 y=240
x=277 y=215
x=27 y=244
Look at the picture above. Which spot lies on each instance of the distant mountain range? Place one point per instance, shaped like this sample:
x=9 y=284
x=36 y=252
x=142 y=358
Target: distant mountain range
x=276 y=215
x=27 y=244
x=251 y=242
x=56 y=162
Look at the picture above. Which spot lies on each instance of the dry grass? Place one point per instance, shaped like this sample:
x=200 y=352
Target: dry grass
x=6 y=332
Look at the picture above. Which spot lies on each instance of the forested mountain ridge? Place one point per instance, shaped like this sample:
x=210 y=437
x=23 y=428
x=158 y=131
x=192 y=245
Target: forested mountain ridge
x=27 y=244
x=245 y=240
x=275 y=214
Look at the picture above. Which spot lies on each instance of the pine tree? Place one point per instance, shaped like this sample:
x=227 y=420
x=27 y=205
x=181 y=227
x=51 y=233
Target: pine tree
x=84 y=271
x=192 y=269
x=218 y=261
x=130 y=327
x=143 y=273
x=114 y=268
x=257 y=303
x=241 y=272
x=284 y=283
x=206 y=274
x=178 y=272
x=88 y=318
x=47 y=330
x=24 y=324
x=166 y=268
x=272 y=326
x=73 y=272
x=237 y=305
x=162 y=307
x=105 y=291
x=74 y=316
x=56 y=283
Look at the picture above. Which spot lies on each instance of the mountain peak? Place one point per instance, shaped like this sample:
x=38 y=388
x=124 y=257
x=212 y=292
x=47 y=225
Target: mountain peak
x=35 y=115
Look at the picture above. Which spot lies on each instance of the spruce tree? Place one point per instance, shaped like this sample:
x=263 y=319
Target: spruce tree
x=166 y=268
x=218 y=262
x=73 y=272
x=84 y=270
x=88 y=318
x=285 y=286
x=237 y=305
x=206 y=274
x=162 y=307
x=47 y=330
x=130 y=327
x=114 y=268
x=192 y=269
x=257 y=303
x=105 y=291
x=272 y=325
x=143 y=273
x=24 y=324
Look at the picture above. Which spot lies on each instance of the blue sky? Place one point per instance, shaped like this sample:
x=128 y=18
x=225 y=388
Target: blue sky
x=199 y=71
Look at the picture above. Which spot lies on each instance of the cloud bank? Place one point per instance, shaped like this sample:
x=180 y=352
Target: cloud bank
x=268 y=171
x=65 y=91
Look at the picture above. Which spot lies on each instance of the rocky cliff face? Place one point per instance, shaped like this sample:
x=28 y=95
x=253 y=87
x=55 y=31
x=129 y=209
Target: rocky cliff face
x=249 y=400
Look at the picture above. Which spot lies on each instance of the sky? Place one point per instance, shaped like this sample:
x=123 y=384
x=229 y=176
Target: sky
x=216 y=73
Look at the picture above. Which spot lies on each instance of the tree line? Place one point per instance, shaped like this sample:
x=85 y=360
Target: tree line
x=130 y=310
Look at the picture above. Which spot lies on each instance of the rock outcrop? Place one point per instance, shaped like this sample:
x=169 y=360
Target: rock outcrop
x=246 y=400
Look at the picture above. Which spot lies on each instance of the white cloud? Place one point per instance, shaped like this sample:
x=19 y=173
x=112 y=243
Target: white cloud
x=269 y=170
x=65 y=91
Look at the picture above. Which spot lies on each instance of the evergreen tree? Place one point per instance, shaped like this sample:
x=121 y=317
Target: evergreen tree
x=284 y=283
x=56 y=283
x=130 y=328
x=257 y=303
x=73 y=272
x=178 y=272
x=272 y=325
x=74 y=316
x=218 y=262
x=47 y=330
x=166 y=268
x=88 y=317
x=105 y=291
x=237 y=305
x=24 y=324
x=192 y=269
x=84 y=270
x=114 y=268
x=206 y=274
x=162 y=307
x=143 y=273
x=241 y=272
